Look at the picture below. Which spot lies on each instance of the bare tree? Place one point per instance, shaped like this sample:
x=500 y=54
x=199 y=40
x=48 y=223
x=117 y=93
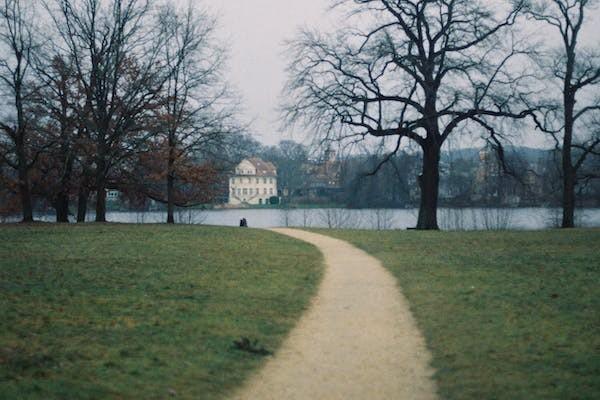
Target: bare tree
x=194 y=108
x=453 y=219
x=496 y=218
x=422 y=70
x=381 y=218
x=339 y=218
x=285 y=215
x=190 y=216
x=56 y=104
x=17 y=44
x=116 y=50
x=574 y=123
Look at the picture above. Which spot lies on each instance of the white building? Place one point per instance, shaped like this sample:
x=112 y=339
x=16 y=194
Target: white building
x=254 y=182
x=112 y=195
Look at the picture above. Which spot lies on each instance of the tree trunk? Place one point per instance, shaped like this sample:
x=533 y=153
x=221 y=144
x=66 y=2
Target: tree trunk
x=24 y=189
x=101 y=189
x=569 y=182
x=568 y=220
x=20 y=142
x=62 y=201
x=82 y=205
x=170 y=203
x=170 y=187
x=568 y=170
x=62 y=208
x=25 y=192
x=429 y=183
x=100 y=202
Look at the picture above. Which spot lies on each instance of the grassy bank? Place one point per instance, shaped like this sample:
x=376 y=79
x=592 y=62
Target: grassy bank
x=145 y=312
x=507 y=315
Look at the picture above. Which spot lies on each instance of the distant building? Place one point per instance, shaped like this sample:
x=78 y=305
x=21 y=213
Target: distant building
x=112 y=195
x=323 y=182
x=254 y=182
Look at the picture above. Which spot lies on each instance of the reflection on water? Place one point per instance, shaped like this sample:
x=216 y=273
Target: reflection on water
x=449 y=219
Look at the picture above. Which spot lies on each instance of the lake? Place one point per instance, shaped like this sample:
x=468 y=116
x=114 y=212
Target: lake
x=449 y=218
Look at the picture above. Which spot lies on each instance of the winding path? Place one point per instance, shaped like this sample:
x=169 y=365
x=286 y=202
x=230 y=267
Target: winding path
x=358 y=339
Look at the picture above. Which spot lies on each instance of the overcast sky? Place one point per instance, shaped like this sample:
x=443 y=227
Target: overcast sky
x=255 y=32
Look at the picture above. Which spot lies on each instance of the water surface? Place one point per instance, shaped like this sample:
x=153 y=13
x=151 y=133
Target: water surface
x=449 y=218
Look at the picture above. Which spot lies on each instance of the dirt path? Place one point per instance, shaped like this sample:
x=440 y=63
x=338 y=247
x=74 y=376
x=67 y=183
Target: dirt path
x=358 y=340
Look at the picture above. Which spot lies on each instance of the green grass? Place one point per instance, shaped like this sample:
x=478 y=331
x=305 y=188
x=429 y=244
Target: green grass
x=144 y=312
x=507 y=315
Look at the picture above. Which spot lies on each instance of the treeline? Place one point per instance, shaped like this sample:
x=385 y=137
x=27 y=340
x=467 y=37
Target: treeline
x=469 y=177
x=111 y=94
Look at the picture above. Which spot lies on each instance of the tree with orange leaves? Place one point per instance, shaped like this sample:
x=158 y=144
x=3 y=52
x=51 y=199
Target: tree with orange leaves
x=194 y=114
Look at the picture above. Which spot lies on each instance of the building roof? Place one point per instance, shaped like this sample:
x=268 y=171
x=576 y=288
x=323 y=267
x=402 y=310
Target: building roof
x=263 y=168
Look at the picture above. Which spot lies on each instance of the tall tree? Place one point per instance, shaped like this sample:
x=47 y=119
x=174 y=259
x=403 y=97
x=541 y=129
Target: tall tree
x=57 y=102
x=116 y=50
x=573 y=124
x=16 y=47
x=194 y=111
x=421 y=70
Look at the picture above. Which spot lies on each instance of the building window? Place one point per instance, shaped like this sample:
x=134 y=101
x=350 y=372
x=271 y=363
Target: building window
x=265 y=181
x=239 y=192
x=260 y=201
x=245 y=192
x=271 y=191
x=265 y=191
x=257 y=180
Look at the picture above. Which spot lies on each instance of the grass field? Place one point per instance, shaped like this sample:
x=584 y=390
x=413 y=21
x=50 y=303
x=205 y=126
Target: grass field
x=144 y=312
x=507 y=315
